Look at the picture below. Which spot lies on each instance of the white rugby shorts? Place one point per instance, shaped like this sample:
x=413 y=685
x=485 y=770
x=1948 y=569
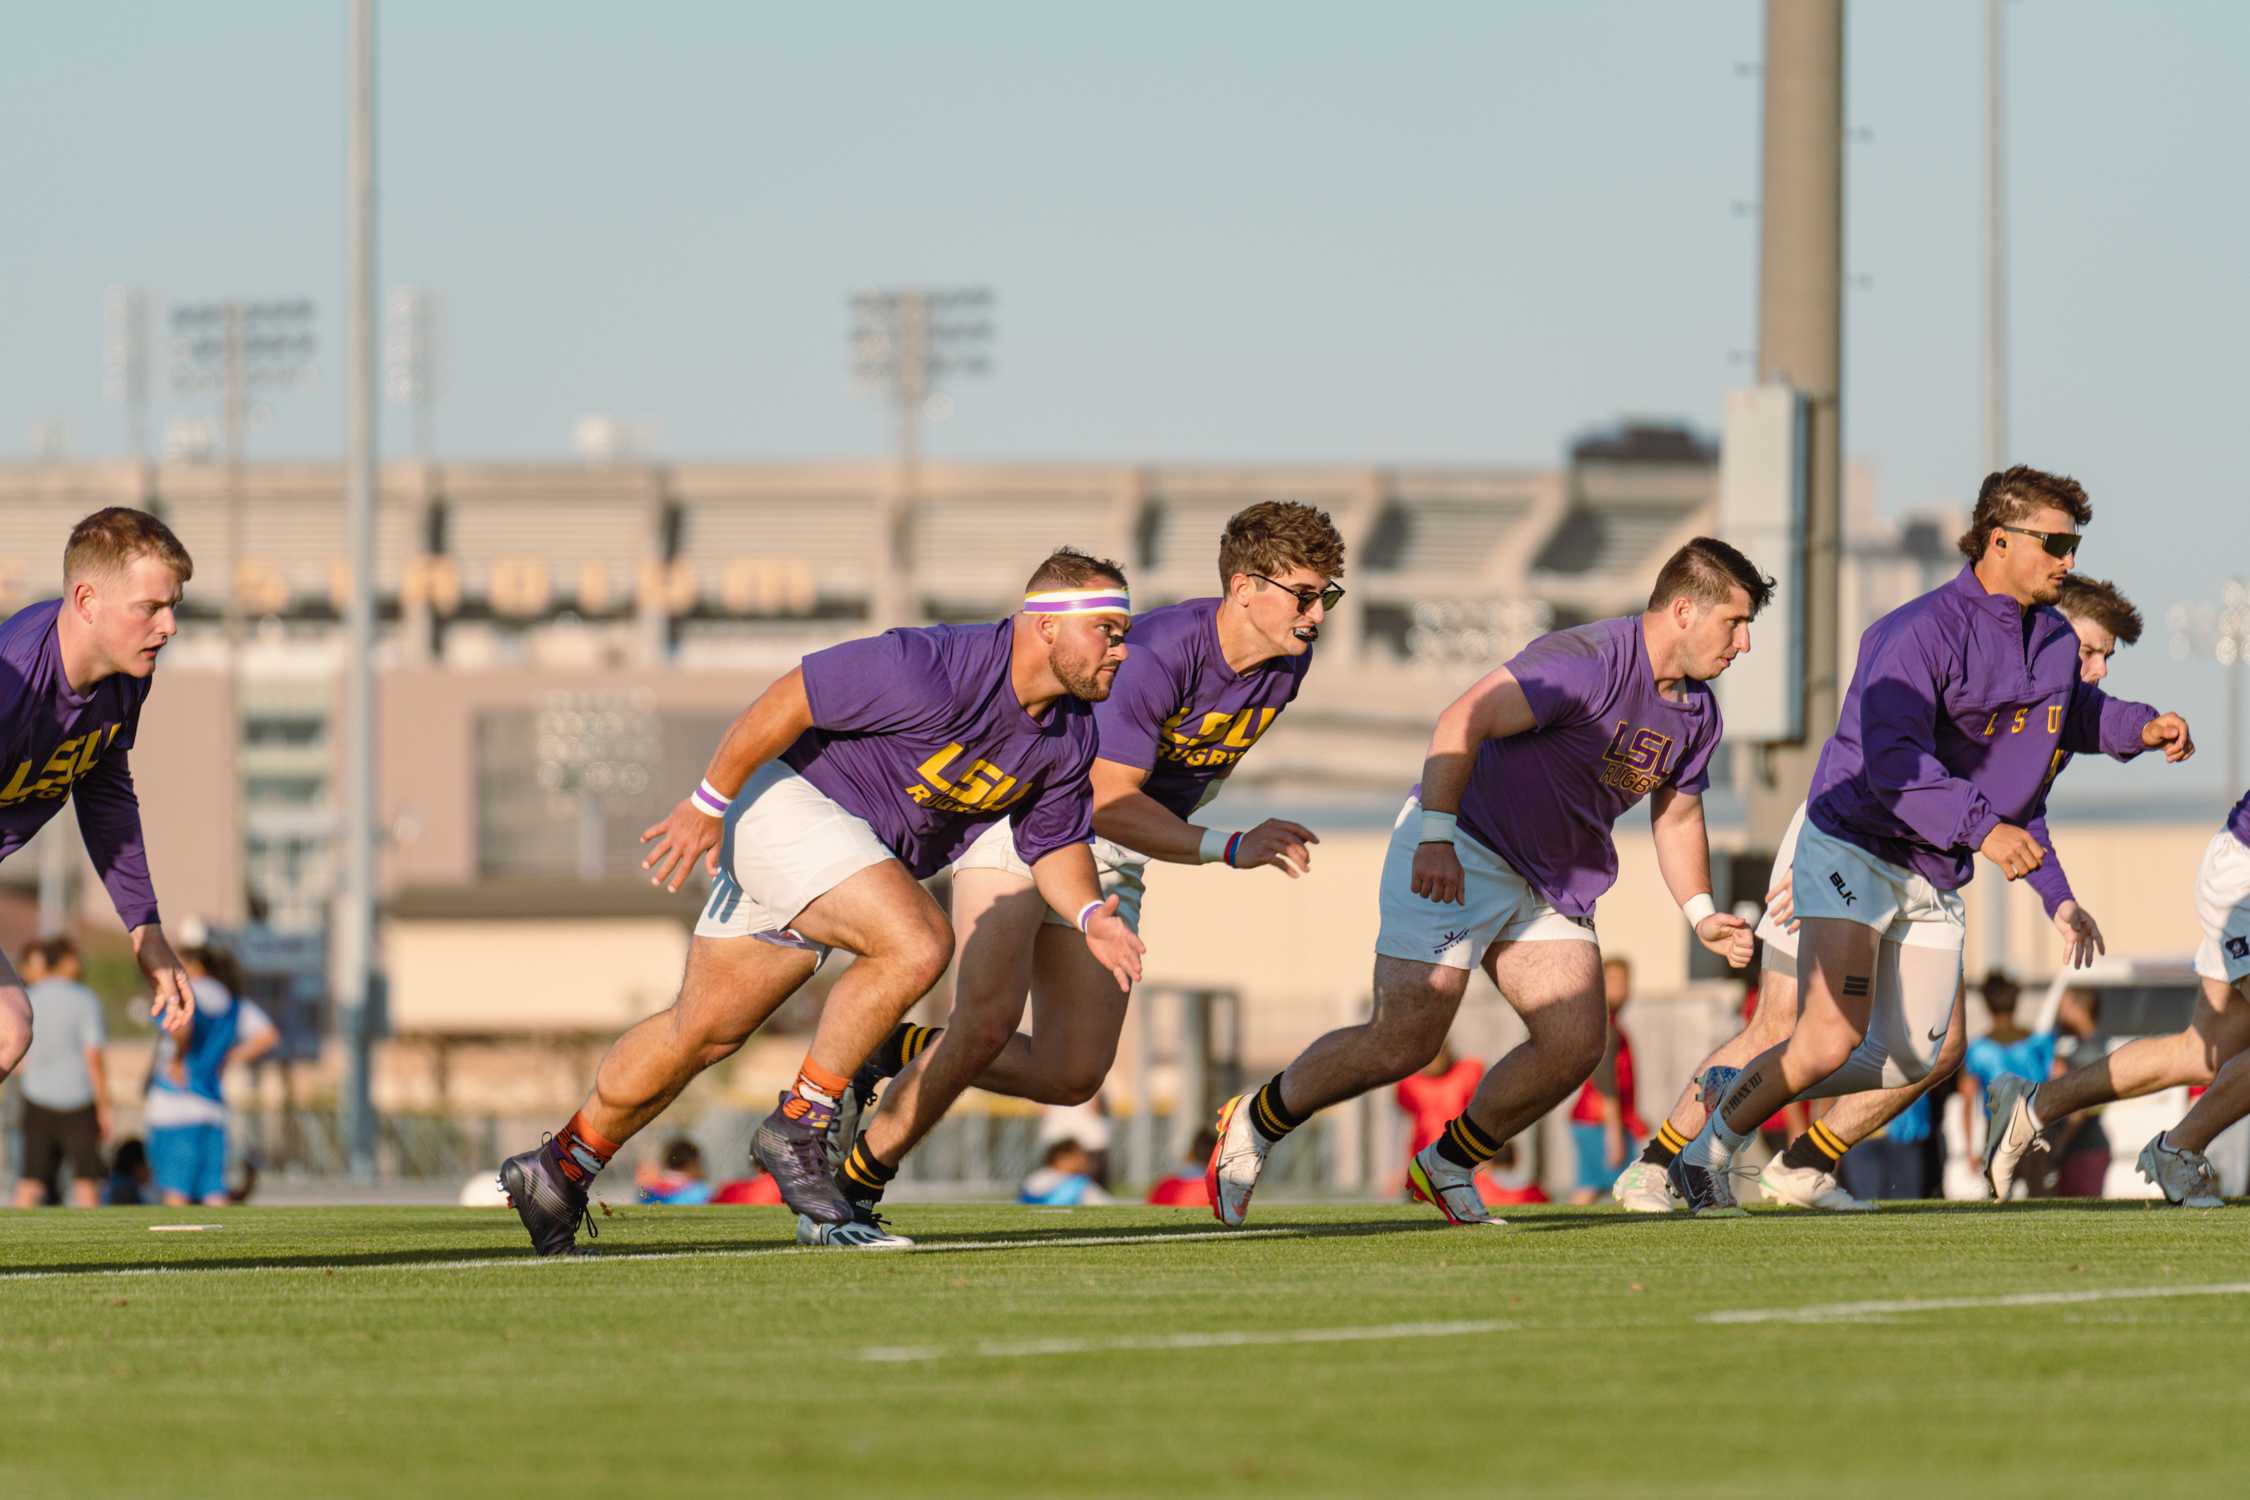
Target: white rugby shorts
x=1832 y=878
x=785 y=846
x=1780 y=955
x=1121 y=871
x=2222 y=902
x=1497 y=904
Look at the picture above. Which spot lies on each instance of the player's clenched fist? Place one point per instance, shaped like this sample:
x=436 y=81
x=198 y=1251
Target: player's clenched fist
x=1727 y=935
x=2013 y=850
x=684 y=837
x=2168 y=733
x=1280 y=843
x=1437 y=873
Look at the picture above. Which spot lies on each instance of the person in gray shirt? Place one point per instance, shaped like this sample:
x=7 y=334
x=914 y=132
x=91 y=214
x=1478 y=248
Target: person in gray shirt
x=64 y=1083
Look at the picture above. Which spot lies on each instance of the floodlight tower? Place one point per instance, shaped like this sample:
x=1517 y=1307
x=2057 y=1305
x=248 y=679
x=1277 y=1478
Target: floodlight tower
x=411 y=347
x=125 y=365
x=2219 y=630
x=906 y=342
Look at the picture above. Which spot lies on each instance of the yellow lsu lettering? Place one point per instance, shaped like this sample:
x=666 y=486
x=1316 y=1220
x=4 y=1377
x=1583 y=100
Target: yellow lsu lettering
x=981 y=787
x=71 y=759
x=1219 y=739
x=1637 y=760
x=2021 y=718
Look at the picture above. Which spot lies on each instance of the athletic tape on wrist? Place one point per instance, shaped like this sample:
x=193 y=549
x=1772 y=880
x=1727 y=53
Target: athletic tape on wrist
x=1437 y=827
x=1697 y=907
x=708 y=800
x=1212 y=849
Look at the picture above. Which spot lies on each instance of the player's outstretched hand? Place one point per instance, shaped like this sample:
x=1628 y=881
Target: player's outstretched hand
x=1280 y=843
x=2013 y=850
x=685 y=836
x=2168 y=733
x=1437 y=874
x=1781 y=903
x=2081 y=933
x=172 y=1000
x=1727 y=935
x=1114 y=945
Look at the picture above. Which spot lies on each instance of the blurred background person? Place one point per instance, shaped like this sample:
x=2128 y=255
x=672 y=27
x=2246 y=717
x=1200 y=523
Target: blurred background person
x=1064 y=1178
x=1605 y=1124
x=64 y=1081
x=1430 y=1099
x=2073 y=1155
x=757 y=1188
x=1894 y=1162
x=1509 y=1179
x=1086 y=1126
x=677 y=1178
x=1187 y=1187
x=130 y=1184
x=187 y=1112
x=2009 y=1047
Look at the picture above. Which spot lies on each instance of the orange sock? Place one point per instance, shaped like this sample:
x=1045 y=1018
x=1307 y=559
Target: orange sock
x=814 y=1098
x=579 y=1151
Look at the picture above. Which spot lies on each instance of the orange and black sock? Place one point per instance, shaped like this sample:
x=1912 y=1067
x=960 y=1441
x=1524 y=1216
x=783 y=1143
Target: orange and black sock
x=1268 y=1115
x=1818 y=1149
x=578 y=1152
x=863 y=1178
x=813 y=1100
x=1465 y=1145
x=1667 y=1143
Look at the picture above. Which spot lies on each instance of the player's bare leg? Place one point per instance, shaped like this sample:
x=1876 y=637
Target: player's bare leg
x=1414 y=1007
x=2174 y=1160
x=2218 y=1032
x=1642 y=1187
x=1837 y=961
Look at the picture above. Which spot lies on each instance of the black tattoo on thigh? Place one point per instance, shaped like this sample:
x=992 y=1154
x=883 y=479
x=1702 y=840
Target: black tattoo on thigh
x=1856 y=986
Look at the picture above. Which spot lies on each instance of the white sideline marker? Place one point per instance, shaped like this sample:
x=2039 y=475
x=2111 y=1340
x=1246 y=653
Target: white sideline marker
x=1847 y=1312
x=179 y=1228
x=1036 y=1348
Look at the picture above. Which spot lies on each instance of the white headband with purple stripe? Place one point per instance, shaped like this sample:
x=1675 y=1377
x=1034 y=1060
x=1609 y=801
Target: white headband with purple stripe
x=1113 y=600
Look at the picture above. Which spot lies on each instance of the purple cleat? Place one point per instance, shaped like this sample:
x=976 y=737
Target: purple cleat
x=549 y=1203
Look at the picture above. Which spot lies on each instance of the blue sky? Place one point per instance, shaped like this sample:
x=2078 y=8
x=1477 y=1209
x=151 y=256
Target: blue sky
x=1450 y=232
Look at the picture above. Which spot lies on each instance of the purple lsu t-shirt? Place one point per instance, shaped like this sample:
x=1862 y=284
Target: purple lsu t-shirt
x=2238 y=821
x=1180 y=713
x=1545 y=800
x=920 y=733
x=57 y=744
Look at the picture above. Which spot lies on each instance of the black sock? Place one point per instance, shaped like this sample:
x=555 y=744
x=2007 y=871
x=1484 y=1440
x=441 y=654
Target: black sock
x=1269 y=1116
x=1664 y=1145
x=1818 y=1149
x=1466 y=1146
x=863 y=1178
x=906 y=1042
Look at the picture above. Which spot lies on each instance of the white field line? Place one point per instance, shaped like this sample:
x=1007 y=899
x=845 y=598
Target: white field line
x=523 y=1258
x=1844 y=1312
x=1035 y=1348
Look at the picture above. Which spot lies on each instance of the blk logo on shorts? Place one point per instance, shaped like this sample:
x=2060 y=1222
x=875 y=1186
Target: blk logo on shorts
x=2238 y=947
x=1448 y=941
x=1842 y=890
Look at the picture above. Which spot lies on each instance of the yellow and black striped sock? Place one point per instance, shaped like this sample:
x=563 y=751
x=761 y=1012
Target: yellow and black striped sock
x=906 y=1042
x=1269 y=1116
x=863 y=1178
x=1464 y=1145
x=1818 y=1149
x=1668 y=1142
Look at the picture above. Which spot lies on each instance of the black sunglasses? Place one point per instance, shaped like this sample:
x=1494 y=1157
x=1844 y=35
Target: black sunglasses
x=1325 y=597
x=2059 y=544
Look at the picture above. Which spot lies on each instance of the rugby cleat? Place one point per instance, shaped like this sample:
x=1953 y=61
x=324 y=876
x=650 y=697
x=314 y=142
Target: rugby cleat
x=793 y=1152
x=1450 y=1189
x=866 y=1230
x=1642 y=1189
x=1714 y=1084
x=1708 y=1192
x=2009 y=1132
x=549 y=1203
x=1808 y=1187
x=843 y=1126
x=2185 y=1176
x=1232 y=1173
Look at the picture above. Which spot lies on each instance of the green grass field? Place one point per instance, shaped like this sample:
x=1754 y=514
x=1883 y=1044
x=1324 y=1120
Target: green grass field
x=1336 y=1351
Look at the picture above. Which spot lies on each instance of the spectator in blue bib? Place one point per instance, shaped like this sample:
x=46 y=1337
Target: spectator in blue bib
x=187 y=1112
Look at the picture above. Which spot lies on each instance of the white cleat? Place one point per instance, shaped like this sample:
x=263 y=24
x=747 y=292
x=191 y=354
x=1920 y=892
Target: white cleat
x=2009 y=1132
x=1808 y=1187
x=1231 y=1176
x=1642 y=1188
x=2185 y=1176
x=865 y=1230
x=1451 y=1190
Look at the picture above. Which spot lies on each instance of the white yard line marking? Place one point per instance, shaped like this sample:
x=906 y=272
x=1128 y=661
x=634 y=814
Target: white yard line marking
x=894 y=1354
x=1843 y=1312
x=521 y=1258
x=178 y=1228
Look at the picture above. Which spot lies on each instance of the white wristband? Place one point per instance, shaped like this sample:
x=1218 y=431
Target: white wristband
x=1086 y=912
x=709 y=801
x=1213 y=849
x=1697 y=907
x=1437 y=827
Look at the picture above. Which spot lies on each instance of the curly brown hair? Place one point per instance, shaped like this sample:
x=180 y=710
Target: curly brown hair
x=2098 y=599
x=2012 y=496
x=1275 y=535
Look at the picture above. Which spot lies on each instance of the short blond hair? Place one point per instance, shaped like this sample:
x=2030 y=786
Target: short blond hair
x=111 y=539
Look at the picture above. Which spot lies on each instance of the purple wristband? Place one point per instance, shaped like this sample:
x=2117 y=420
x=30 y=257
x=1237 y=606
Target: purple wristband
x=708 y=801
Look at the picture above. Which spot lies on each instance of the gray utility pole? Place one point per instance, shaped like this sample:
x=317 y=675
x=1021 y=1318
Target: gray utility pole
x=354 y=959
x=417 y=320
x=125 y=366
x=2220 y=631
x=1800 y=343
x=906 y=342
x=1992 y=907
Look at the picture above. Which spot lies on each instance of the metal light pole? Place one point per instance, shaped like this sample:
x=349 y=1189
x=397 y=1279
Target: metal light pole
x=1992 y=914
x=417 y=321
x=355 y=905
x=2221 y=631
x=125 y=373
x=905 y=342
